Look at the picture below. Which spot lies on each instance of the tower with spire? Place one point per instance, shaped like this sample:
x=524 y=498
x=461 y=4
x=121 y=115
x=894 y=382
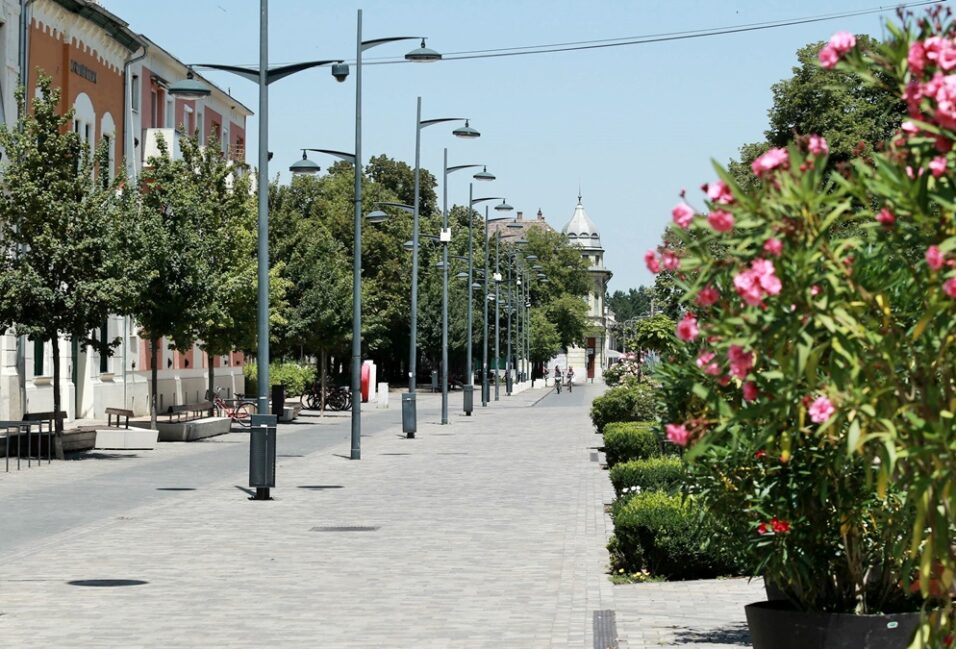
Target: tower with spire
x=591 y=359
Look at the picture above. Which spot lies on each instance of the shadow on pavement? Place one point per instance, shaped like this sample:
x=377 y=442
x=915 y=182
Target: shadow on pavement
x=736 y=634
x=95 y=455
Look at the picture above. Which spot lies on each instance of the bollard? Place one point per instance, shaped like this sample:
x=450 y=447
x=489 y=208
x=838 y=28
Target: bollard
x=262 y=455
x=278 y=399
x=434 y=381
x=408 y=414
x=508 y=382
x=468 y=393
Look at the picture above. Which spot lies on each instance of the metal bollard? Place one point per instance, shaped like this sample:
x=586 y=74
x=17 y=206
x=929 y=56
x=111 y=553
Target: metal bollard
x=409 y=423
x=262 y=454
x=468 y=394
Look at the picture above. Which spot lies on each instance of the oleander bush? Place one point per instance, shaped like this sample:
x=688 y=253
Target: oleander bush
x=666 y=473
x=670 y=536
x=631 y=401
x=626 y=441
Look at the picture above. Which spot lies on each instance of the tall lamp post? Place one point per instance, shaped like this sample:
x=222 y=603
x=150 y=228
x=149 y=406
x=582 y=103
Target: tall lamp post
x=485 y=392
x=409 y=414
x=446 y=240
x=469 y=387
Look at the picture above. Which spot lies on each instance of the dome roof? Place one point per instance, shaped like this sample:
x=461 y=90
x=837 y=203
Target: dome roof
x=581 y=230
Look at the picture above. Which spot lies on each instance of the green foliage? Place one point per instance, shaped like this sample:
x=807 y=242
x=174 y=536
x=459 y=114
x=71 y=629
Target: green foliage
x=670 y=536
x=632 y=401
x=626 y=441
x=65 y=262
x=624 y=370
x=648 y=474
x=568 y=313
x=634 y=303
x=296 y=378
x=545 y=339
x=655 y=334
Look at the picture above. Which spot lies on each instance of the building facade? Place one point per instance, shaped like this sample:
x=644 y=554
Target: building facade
x=114 y=80
x=591 y=360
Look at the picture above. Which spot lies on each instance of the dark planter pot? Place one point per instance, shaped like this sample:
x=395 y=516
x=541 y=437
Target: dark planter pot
x=775 y=625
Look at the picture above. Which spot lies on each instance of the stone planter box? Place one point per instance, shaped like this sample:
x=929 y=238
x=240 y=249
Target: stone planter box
x=190 y=431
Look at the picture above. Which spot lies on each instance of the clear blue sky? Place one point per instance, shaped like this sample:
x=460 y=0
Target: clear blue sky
x=632 y=125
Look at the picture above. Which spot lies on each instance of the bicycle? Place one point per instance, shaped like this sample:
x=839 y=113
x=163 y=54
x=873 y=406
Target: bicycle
x=336 y=397
x=570 y=383
x=240 y=411
x=557 y=384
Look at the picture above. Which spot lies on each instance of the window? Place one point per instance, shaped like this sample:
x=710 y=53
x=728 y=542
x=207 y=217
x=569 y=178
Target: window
x=38 y=350
x=153 y=108
x=104 y=347
x=170 y=113
x=201 y=134
x=187 y=120
x=134 y=93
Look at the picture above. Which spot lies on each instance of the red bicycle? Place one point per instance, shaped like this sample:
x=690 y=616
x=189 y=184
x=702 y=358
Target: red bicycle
x=239 y=410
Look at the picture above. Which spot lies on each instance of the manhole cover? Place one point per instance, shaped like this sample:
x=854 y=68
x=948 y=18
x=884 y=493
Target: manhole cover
x=107 y=583
x=346 y=528
x=604 y=627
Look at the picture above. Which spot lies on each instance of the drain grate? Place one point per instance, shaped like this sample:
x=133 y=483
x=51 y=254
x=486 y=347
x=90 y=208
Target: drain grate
x=594 y=457
x=605 y=630
x=346 y=528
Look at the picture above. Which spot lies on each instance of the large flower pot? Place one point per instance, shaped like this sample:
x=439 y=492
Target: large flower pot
x=775 y=625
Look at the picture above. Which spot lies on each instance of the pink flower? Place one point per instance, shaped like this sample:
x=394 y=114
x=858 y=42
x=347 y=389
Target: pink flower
x=707 y=296
x=916 y=58
x=934 y=258
x=829 y=57
x=815 y=290
x=720 y=220
x=683 y=214
x=940 y=51
x=779 y=526
x=763 y=529
x=769 y=161
x=757 y=282
x=719 y=192
x=909 y=127
x=764 y=270
x=670 y=260
x=938 y=166
x=886 y=217
x=820 y=410
x=817 y=145
x=741 y=362
x=949 y=286
x=687 y=328
x=650 y=260
x=706 y=362
x=842 y=42
x=773 y=247
x=750 y=391
x=677 y=434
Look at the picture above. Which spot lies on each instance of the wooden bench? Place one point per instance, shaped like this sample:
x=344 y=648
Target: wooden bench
x=118 y=412
x=190 y=411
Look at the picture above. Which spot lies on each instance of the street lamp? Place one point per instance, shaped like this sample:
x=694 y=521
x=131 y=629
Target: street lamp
x=264 y=76
x=485 y=393
x=421 y=54
x=409 y=415
x=446 y=239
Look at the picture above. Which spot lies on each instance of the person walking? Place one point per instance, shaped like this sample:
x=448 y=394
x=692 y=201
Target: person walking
x=557 y=378
x=570 y=377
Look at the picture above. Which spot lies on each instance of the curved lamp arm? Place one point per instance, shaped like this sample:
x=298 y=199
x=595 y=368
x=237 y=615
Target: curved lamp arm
x=272 y=74
x=348 y=157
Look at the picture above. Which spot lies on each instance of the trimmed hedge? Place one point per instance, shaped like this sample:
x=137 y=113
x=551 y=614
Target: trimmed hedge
x=296 y=378
x=632 y=401
x=670 y=537
x=626 y=441
x=650 y=474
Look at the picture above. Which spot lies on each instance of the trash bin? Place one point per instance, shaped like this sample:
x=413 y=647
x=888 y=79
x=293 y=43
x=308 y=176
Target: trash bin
x=468 y=398
x=409 y=418
x=278 y=400
x=434 y=380
x=262 y=454
x=508 y=380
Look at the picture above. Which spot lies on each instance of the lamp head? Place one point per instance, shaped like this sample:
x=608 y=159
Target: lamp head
x=376 y=216
x=340 y=71
x=503 y=207
x=484 y=175
x=466 y=132
x=304 y=166
x=189 y=87
x=423 y=55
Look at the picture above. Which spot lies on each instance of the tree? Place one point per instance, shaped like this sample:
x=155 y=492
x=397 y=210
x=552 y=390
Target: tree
x=568 y=314
x=62 y=240
x=854 y=117
x=636 y=302
x=655 y=334
x=545 y=339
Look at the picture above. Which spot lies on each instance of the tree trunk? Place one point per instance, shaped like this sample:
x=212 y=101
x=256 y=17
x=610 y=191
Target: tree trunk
x=322 y=374
x=211 y=393
x=154 y=375
x=57 y=401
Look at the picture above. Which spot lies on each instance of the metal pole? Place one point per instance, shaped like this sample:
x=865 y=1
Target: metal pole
x=444 y=296
x=469 y=373
x=262 y=349
x=356 y=453
x=484 y=336
x=409 y=423
x=497 y=316
x=508 y=380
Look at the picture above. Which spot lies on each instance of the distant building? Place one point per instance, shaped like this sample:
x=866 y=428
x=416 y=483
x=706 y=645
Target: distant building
x=517 y=228
x=593 y=357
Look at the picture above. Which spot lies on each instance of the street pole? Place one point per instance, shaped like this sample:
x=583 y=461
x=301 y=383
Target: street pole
x=469 y=387
x=409 y=414
x=356 y=451
x=497 y=316
x=444 y=295
x=484 y=337
x=262 y=315
x=508 y=379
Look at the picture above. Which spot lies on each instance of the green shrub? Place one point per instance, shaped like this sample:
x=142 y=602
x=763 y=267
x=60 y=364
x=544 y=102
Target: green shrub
x=296 y=378
x=632 y=401
x=650 y=474
x=671 y=537
x=626 y=441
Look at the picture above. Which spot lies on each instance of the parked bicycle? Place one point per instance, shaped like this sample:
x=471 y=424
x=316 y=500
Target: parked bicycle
x=337 y=397
x=239 y=410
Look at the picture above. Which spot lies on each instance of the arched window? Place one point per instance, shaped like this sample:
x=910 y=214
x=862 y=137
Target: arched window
x=108 y=134
x=84 y=120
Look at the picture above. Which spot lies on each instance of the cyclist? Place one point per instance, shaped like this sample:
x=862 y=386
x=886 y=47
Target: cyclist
x=570 y=377
x=557 y=378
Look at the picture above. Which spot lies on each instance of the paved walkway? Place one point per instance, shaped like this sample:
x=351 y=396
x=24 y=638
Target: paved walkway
x=487 y=532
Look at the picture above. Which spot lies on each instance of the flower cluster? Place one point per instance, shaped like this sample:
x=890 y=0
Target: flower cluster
x=773 y=526
x=840 y=43
x=757 y=282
